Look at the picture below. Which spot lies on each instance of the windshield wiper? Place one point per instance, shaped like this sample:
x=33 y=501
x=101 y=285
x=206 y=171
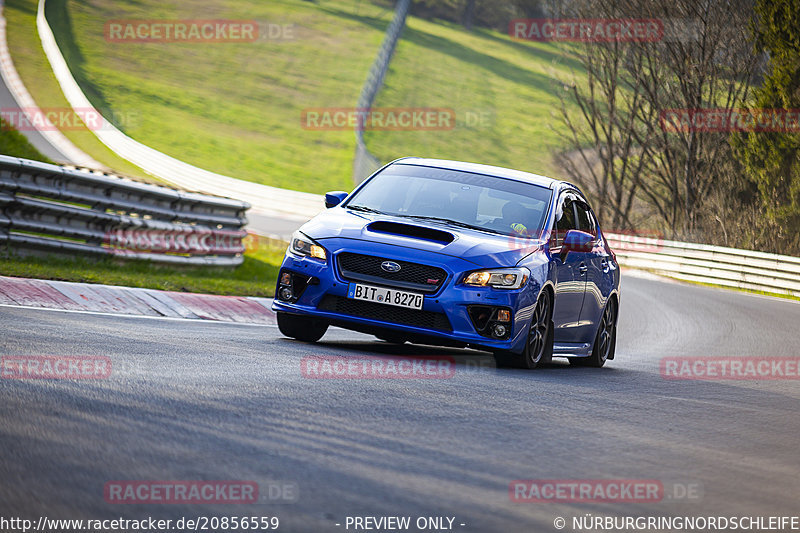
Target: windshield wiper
x=454 y=223
x=363 y=208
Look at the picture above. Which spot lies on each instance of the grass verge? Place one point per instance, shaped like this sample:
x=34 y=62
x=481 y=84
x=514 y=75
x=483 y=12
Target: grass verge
x=255 y=277
x=34 y=69
x=504 y=94
x=15 y=144
x=231 y=108
x=235 y=108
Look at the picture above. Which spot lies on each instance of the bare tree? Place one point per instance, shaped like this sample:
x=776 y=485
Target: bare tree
x=604 y=155
x=702 y=61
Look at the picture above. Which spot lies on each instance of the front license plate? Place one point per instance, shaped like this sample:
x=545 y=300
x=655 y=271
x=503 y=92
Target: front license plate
x=382 y=295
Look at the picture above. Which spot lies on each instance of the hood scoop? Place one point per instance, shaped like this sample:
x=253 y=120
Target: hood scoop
x=412 y=231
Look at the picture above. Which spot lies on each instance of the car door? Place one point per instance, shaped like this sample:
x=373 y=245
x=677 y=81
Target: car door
x=597 y=268
x=570 y=284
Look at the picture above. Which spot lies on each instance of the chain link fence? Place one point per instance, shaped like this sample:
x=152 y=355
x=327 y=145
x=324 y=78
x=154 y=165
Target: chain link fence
x=365 y=163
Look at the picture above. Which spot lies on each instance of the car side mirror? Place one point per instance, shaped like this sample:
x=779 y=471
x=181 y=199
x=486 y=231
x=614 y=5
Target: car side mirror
x=334 y=198
x=577 y=241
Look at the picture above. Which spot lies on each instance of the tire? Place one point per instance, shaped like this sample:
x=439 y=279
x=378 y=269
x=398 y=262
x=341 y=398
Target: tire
x=301 y=328
x=539 y=347
x=605 y=341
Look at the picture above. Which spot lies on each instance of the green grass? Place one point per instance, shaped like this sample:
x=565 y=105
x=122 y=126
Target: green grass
x=235 y=108
x=232 y=108
x=15 y=144
x=34 y=69
x=255 y=277
x=503 y=92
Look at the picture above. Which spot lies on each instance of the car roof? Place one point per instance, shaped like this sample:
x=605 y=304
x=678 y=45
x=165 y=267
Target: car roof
x=477 y=168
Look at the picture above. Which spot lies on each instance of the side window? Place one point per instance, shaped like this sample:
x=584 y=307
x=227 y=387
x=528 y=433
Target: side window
x=585 y=219
x=565 y=223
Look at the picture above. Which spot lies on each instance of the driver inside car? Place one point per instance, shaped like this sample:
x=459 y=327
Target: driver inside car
x=514 y=217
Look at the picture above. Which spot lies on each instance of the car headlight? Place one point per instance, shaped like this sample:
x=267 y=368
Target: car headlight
x=500 y=278
x=302 y=245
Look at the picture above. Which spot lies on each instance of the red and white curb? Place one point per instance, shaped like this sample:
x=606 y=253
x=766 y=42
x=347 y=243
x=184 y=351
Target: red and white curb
x=91 y=298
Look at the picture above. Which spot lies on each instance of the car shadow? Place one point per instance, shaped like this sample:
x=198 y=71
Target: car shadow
x=465 y=358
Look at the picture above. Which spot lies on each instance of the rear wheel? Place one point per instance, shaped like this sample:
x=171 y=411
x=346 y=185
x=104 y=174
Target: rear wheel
x=539 y=348
x=302 y=328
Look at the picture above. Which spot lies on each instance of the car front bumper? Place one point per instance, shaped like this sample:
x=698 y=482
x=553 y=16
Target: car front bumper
x=444 y=318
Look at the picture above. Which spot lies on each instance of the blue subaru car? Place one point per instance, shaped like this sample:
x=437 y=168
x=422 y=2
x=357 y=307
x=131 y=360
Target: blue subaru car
x=456 y=254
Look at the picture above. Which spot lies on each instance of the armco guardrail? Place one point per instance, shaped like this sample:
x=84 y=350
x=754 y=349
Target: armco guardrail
x=45 y=207
x=364 y=163
x=704 y=263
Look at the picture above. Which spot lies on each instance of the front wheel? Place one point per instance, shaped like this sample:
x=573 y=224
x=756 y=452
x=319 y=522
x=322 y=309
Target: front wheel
x=539 y=348
x=302 y=328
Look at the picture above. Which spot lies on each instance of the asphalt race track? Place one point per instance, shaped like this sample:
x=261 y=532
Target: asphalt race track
x=204 y=401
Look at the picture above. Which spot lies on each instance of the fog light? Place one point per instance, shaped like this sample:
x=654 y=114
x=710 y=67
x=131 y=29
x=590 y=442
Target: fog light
x=286 y=279
x=286 y=293
x=503 y=315
x=499 y=330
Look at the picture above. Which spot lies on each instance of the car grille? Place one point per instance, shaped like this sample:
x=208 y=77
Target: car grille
x=411 y=276
x=385 y=313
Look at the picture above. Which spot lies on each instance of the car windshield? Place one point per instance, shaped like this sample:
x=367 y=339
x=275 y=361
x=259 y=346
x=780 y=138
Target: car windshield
x=482 y=202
